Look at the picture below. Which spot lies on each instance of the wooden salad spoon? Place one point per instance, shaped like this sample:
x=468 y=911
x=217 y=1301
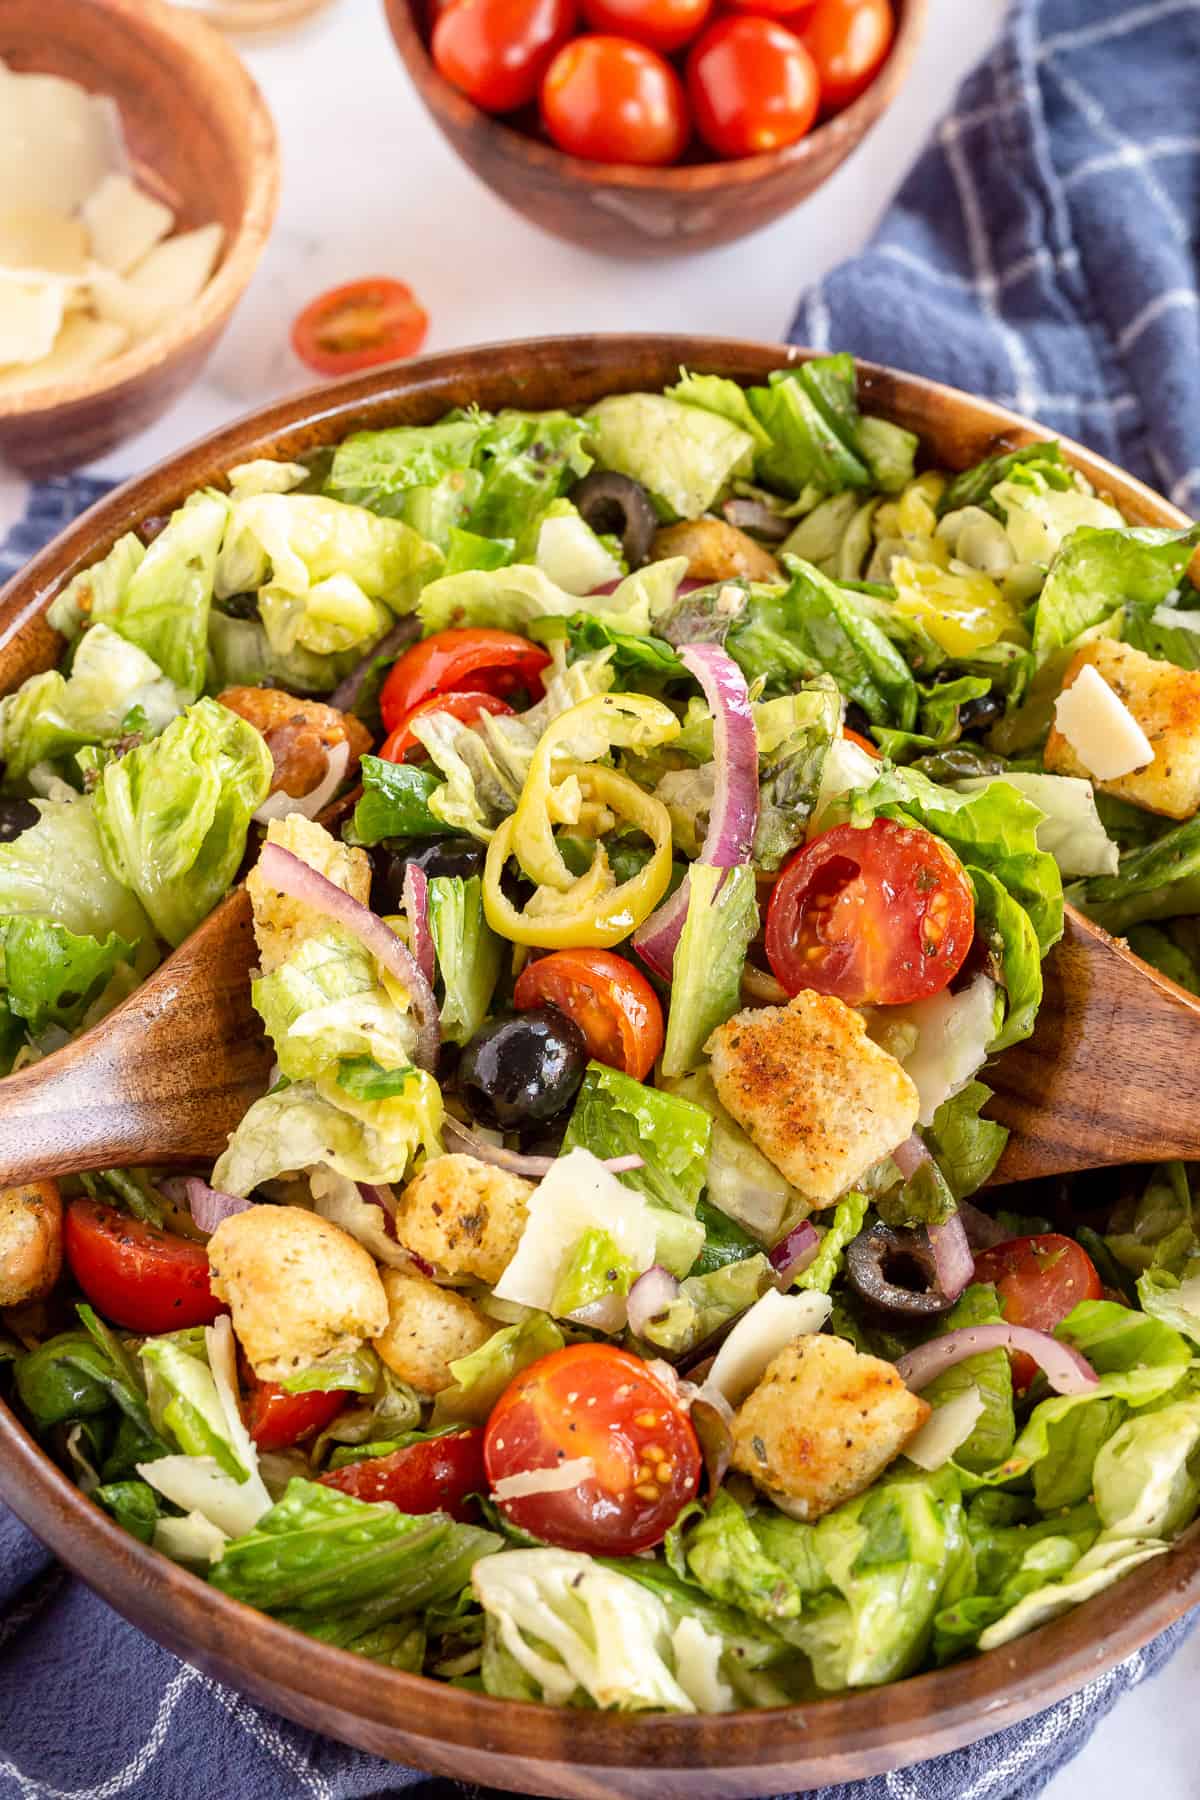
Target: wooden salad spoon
x=168 y=1074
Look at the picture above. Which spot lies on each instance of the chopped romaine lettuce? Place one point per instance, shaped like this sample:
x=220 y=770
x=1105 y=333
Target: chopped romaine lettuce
x=595 y=1268
x=57 y=870
x=845 y=1225
x=722 y=918
x=481 y=1377
x=741 y=1181
x=707 y=1301
x=112 y=683
x=811 y=416
x=685 y=456
x=617 y=1116
x=468 y=954
x=965 y=1146
x=298 y=1127
x=394 y=803
x=513 y=598
x=1098 y=570
x=989 y=1373
x=567 y=550
x=52 y=976
x=1012 y=944
x=1158 y=881
x=717 y=394
x=1157 y=1229
x=1071 y=829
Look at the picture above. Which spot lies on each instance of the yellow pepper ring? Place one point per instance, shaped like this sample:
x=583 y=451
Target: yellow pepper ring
x=590 y=913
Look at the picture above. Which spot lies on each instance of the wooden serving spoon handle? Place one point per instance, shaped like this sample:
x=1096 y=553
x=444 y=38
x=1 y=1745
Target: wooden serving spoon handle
x=163 y=1079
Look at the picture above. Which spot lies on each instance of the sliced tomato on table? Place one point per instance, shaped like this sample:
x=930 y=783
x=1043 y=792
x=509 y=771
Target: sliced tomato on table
x=611 y=1002
x=438 y=1474
x=1038 y=1281
x=466 y=706
x=137 y=1276
x=480 y=659
x=597 y=1402
x=356 y=326
x=276 y=1419
x=878 y=916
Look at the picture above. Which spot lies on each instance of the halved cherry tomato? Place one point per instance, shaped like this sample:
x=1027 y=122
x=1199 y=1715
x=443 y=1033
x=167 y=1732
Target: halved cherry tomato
x=1039 y=1280
x=664 y=25
x=436 y=1475
x=496 y=51
x=848 y=40
x=611 y=1002
x=478 y=658
x=878 y=916
x=864 y=743
x=752 y=86
x=375 y=320
x=460 y=705
x=136 y=1275
x=596 y=1401
x=611 y=100
x=276 y=1419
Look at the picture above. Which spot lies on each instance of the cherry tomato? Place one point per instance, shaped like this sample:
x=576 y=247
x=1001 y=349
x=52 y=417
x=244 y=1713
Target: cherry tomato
x=466 y=706
x=356 y=326
x=771 y=9
x=752 y=86
x=436 y=1475
x=611 y=1002
x=878 y=917
x=497 y=51
x=596 y=1401
x=276 y=1419
x=136 y=1275
x=611 y=100
x=664 y=25
x=848 y=41
x=475 y=657
x=864 y=743
x=1039 y=1280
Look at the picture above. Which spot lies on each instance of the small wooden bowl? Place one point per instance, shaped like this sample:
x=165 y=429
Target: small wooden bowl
x=643 y=212
x=200 y=137
x=532 y=1749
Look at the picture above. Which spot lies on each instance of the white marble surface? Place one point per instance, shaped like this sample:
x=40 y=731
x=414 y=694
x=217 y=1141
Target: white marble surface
x=369 y=187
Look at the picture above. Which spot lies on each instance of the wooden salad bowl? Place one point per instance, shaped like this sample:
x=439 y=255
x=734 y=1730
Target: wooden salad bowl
x=533 y=1749
x=200 y=137
x=644 y=212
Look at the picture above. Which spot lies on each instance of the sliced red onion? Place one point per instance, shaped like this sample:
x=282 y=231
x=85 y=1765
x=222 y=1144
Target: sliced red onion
x=290 y=875
x=606 y=1314
x=793 y=1254
x=379 y=1196
x=982 y=1230
x=733 y=815
x=207 y=1205
x=460 y=1137
x=346 y=693
x=649 y=1297
x=686 y=586
x=415 y=894
x=909 y=1156
x=279 y=804
x=752 y=515
x=1064 y=1368
x=951 y=1256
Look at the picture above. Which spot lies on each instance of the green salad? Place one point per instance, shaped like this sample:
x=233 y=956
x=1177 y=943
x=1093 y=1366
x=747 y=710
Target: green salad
x=655 y=820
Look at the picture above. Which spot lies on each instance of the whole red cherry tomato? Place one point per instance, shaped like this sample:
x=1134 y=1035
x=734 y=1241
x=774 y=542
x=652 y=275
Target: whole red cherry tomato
x=848 y=40
x=611 y=1002
x=496 y=51
x=478 y=658
x=611 y=100
x=752 y=86
x=788 y=10
x=664 y=25
x=376 y=320
x=136 y=1275
x=438 y=1474
x=1039 y=1280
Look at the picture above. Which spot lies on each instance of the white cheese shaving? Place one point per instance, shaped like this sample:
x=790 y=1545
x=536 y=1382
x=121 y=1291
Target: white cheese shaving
x=124 y=223
x=30 y=316
x=953 y=1034
x=162 y=284
x=57 y=142
x=41 y=244
x=1100 y=728
x=81 y=346
x=559 y=1479
x=571 y=555
x=577 y=1195
x=758 y=1337
x=946 y=1428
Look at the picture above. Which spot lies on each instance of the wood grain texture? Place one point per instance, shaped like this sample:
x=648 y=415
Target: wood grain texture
x=201 y=138
x=526 y=1749
x=644 y=212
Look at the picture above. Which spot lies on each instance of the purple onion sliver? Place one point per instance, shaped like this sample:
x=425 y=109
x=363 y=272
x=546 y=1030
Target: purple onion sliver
x=795 y=1252
x=951 y=1256
x=909 y=1156
x=345 y=694
x=416 y=910
x=207 y=1205
x=462 y=1138
x=982 y=1230
x=1064 y=1368
x=649 y=1297
x=379 y=1196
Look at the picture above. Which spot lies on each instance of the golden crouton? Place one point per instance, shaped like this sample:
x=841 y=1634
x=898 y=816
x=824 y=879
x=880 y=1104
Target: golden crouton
x=30 y=1241
x=297 y=1287
x=715 y=551
x=464 y=1216
x=281 y=923
x=299 y=734
x=822 y=1424
x=1165 y=701
x=816 y=1095
x=428 y=1328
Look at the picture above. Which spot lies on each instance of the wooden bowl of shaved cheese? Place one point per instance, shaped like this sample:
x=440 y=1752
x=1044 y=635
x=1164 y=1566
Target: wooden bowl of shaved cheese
x=139 y=173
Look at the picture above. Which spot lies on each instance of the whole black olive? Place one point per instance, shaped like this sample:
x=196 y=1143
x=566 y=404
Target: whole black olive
x=241 y=606
x=618 y=506
x=522 y=1068
x=977 y=715
x=16 y=816
x=460 y=856
x=895 y=1272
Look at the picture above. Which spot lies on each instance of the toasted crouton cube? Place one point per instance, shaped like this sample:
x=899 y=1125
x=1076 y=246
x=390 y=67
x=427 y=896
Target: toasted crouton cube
x=428 y=1328
x=296 y=1286
x=281 y=923
x=300 y=734
x=822 y=1423
x=464 y=1216
x=1165 y=701
x=715 y=551
x=30 y=1241
x=816 y=1095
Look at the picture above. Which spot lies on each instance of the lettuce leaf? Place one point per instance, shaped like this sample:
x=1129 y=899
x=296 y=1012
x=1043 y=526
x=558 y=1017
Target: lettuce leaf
x=481 y=1377
x=57 y=870
x=811 y=417
x=685 y=456
x=113 y=688
x=468 y=953
x=51 y=976
x=299 y=1127
x=1012 y=944
x=707 y=1301
x=394 y=803
x=845 y=1225
x=1071 y=829
x=989 y=1373
x=1159 y=880
x=965 y=1146
x=1156 y=1230
x=722 y=918
x=1098 y=570
x=514 y=598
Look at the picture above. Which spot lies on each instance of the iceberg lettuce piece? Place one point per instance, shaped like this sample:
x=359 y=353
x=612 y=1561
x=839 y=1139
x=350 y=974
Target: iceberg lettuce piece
x=93 y=596
x=325 y=1001
x=569 y=552
x=1147 y=1476
x=514 y=597
x=52 y=976
x=481 y=1377
x=468 y=954
x=684 y=456
x=57 y=870
x=1096 y=571
x=113 y=689
x=299 y=1127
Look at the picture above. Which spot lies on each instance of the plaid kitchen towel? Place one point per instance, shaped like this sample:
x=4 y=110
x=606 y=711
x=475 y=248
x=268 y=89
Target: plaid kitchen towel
x=1043 y=251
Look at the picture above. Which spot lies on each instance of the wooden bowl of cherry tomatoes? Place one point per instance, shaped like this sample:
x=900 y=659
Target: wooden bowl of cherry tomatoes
x=652 y=127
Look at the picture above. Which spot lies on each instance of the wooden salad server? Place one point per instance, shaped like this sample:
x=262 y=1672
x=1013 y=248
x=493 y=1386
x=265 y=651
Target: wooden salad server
x=1110 y=1075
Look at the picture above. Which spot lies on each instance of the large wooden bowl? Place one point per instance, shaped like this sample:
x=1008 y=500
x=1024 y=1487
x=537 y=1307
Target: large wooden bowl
x=644 y=212
x=531 y=1749
x=201 y=138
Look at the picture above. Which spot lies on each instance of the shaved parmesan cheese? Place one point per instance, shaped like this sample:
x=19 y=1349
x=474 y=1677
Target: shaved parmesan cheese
x=30 y=315
x=162 y=284
x=81 y=345
x=758 y=1337
x=559 y=1479
x=197 y=1484
x=193 y=1539
x=40 y=244
x=953 y=1034
x=124 y=223
x=1100 y=728
x=945 y=1430
x=577 y=1194
x=57 y=142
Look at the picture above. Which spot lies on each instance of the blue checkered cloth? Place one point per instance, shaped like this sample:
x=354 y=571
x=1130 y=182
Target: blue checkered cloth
x=1043 y=251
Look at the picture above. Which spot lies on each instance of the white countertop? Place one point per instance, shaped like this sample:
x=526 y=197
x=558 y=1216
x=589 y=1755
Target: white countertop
x=371 y=188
